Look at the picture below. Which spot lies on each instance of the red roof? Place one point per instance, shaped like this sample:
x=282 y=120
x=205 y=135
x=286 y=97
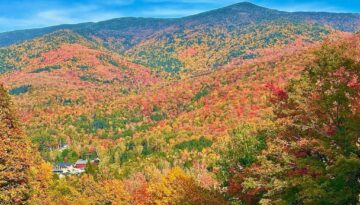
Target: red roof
x=80 y=166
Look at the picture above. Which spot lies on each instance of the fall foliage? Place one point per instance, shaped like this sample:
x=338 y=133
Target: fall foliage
x=230 y=113
x=14 y=156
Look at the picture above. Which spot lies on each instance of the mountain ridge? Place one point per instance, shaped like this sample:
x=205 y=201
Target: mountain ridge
x=12 y=37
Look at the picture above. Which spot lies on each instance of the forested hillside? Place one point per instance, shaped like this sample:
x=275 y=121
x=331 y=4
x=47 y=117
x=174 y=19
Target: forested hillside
x=250 y=106
x=192 y=124
x=204 y=41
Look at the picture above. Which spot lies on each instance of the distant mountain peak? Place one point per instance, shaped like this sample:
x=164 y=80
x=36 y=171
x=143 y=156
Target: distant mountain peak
x=234 y=10
x=247 y=5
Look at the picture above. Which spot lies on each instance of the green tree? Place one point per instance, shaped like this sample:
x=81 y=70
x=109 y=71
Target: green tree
x=313 y=157
x=91 y=169
x=240 y=153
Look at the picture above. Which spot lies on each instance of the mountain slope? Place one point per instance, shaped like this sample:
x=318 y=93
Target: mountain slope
x=195 y=44
x=241 y=13
x=63 y=69
x=188 y=52
x=18 y=56
x=13 y=37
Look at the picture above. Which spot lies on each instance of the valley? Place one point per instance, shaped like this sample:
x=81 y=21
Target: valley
x=239 y=105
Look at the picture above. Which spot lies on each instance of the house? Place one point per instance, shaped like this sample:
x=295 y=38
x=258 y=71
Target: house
x=81 y=164
x=63 y=169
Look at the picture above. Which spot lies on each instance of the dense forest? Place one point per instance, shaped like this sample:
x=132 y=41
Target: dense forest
x=262 y=111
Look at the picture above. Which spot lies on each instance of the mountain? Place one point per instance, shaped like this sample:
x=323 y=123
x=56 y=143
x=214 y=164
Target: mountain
x=240 y=105
x=241 y=13
x=195 y=44
x=64 y=68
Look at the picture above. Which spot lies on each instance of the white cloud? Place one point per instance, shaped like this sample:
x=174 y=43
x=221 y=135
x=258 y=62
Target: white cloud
x=51 y=17
x=54 y=16
x=101 y=16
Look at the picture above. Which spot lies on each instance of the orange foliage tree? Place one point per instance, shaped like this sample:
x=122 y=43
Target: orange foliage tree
x=14 y=156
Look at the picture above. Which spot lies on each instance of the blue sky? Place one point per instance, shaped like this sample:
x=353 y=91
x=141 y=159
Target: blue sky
x=24 y=14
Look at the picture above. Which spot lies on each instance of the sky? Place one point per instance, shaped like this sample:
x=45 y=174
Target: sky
x=25 y=14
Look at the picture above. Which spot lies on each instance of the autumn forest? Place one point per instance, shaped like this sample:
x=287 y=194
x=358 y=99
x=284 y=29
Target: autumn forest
x=241 y=105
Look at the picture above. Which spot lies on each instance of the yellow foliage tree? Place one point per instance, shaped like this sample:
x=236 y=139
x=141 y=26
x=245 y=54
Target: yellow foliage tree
x=15 y=157
x=178 y=188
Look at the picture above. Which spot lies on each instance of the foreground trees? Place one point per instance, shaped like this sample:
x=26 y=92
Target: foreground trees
x=14 y=156
x=24 y=176
x=312 y=157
